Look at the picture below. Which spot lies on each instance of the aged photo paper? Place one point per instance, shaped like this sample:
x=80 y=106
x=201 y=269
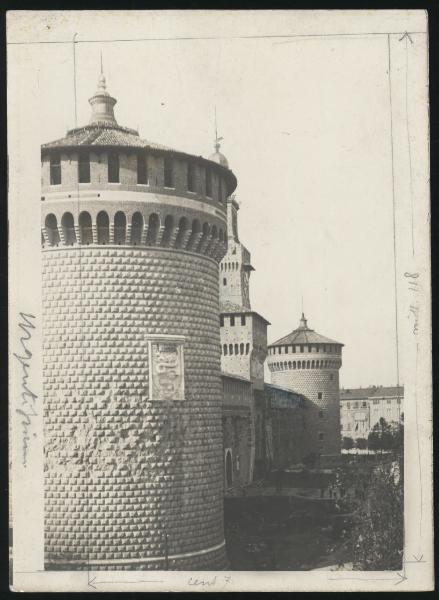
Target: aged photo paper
x=219 y=301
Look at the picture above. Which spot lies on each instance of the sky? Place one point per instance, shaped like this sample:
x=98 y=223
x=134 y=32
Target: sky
x=306 y=130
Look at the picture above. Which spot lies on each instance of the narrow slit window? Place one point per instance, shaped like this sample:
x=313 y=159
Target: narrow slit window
x=169 y=172
x=84 y=167
x=208 y=183
x=142 y=168
x=113 y=167
x=191 y=177
x=220 y=190
x=55 y=169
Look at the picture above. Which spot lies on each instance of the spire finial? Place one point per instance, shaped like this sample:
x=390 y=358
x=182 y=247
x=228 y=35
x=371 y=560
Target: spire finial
x=102 y=84
x=303 y=322
x=102 y=103
x=217 y=145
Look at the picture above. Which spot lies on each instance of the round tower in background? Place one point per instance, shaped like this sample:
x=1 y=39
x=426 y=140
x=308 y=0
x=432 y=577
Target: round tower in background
x=132 y=235
x=308 y=363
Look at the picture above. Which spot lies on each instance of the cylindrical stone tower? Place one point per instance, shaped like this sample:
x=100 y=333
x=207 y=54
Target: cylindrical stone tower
x=308 y=363
x=132 y=235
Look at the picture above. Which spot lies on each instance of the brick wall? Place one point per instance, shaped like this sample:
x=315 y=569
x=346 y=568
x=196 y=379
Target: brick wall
x=121 y=469
x=321 y=415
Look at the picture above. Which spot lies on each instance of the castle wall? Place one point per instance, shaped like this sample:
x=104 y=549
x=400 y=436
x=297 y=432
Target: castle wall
x=131 y=482
x=128 y=174
x=238 y=431
x=322 y=417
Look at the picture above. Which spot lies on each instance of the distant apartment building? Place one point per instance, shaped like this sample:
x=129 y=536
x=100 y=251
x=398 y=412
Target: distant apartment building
x=362 y=408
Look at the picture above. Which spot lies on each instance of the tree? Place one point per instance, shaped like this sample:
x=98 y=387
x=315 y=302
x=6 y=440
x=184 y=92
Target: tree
x=374 y=496
x=378 y=535
x=386 y=436
x=361 y=443
x=347 y=443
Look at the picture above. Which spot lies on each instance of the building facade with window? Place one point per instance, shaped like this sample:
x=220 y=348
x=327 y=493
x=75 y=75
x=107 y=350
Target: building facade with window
x=132 y=235
x=362 y=408
x=308 y=363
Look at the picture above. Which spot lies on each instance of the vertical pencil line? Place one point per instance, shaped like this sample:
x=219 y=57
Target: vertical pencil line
x=389 y=70
x=74 y=78
x=395 y=271
x=409 y=145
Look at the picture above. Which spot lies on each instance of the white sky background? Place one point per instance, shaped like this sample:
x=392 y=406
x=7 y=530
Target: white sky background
x=306 y=130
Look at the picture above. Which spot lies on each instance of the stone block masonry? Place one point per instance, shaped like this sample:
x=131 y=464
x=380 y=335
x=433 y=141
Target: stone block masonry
x=130 y=482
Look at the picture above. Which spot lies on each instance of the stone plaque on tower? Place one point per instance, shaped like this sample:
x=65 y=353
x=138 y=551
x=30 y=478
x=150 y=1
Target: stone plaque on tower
x=166 y=369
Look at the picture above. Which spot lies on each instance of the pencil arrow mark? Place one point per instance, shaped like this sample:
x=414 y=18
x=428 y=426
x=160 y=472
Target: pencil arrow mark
x=418 y=558
x=91 y=582
x=402 y=577
x=406 y=35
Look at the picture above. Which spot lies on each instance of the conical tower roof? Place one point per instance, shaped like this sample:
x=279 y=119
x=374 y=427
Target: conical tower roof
x=304 y=335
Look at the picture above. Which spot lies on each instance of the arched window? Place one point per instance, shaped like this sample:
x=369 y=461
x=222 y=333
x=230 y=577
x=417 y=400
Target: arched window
x=51 y=225
x=113 y=167
x=307 y=364
x=153 y=228
x=136 y=228
x=230 y=348
x=241 y=348
x=289 y=364
x=120 y=228
x=247 y=348
x=169 y=227
x=303 y=364
x=85 y=228
x=183 y=225
x=294 y=364
x=225 y=349
x=236 y=349
x=103 y=228
x=68 y=226
x=299 y=364
x=224 y=281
